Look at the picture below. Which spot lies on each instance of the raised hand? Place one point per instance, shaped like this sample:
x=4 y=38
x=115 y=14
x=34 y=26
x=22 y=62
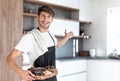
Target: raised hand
x=69 y=34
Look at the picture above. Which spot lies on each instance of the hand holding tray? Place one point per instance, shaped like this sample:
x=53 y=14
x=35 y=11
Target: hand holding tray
x=42 y=73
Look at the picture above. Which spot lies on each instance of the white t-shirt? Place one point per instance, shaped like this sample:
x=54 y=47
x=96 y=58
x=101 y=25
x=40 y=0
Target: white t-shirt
x=26 y=45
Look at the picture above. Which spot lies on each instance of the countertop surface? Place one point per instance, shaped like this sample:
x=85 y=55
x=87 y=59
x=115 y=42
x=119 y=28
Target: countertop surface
x=87 y=58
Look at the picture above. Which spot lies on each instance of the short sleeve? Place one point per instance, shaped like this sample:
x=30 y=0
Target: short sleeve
x=24 y=44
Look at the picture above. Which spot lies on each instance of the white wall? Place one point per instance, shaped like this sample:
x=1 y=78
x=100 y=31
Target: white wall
x=98 y=29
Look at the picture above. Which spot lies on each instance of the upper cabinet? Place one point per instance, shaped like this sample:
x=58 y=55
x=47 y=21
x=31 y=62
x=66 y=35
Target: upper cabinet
x=60 y=25
x=73 y=4
x=85 y=11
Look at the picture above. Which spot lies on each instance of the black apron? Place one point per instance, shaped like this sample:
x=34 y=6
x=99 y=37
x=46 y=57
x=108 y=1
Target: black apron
x=47 y=59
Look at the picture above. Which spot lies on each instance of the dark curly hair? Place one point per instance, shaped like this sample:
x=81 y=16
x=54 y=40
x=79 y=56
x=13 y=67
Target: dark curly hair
x=46 y=8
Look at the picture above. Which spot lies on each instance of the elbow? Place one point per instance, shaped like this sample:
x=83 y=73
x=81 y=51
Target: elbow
x=58 y=45
x=7 y=59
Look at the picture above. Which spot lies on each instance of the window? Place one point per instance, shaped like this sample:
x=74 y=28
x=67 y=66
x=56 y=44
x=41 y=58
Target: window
x=113 y=30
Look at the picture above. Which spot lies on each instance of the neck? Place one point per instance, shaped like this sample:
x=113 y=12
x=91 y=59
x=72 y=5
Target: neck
x=42 y=30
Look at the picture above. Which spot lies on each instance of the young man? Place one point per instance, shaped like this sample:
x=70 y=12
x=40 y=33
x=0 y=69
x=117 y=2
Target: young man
x=39 y=44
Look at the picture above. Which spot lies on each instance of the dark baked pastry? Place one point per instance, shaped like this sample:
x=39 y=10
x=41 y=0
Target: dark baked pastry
x=44 y=72
x=37 y=70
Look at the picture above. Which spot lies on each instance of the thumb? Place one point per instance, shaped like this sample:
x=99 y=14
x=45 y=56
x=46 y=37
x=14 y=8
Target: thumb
x=65 y=31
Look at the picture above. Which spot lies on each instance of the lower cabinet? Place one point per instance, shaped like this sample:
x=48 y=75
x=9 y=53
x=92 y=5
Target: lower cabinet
x=72 y=70
x=103 y=70
x=88 y=70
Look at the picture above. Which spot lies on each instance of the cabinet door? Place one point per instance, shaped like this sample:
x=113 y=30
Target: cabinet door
x=71 y=3
x=103 y=70
x=85 y=10
x=65 y=3
x=71 y=67
x=75 y=77
x=58 y=27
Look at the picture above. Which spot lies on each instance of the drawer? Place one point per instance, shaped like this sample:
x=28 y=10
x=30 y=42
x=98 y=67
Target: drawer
x=71 y=67
x=75 y=77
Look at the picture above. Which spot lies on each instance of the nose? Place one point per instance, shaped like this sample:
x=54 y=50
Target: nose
x=45 y=18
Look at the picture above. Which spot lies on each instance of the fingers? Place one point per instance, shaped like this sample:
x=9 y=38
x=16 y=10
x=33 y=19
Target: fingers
x=31 y=74
x=68 y=32
x=71 y=33
x=43 y=78
x=28 y=76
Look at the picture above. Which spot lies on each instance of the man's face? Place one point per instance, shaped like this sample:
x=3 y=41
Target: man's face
x=45 y=20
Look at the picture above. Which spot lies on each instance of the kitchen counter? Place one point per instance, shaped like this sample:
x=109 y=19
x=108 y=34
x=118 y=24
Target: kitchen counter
x=87 y=58
x=71 y=58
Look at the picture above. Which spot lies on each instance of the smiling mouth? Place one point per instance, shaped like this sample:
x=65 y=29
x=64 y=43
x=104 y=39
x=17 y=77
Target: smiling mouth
x=45 y=23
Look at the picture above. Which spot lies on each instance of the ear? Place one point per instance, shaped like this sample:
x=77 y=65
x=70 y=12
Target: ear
x=37 y=16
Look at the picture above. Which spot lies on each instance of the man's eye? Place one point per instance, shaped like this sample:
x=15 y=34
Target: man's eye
x=42 y=15
x=49 y=16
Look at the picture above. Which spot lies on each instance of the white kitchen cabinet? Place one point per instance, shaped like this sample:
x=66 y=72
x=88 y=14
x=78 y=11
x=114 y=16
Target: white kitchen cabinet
x=58 y=26
x=74 y=77
x=85 y=10
x=103 y=70
x=72 y=70
x=66 y=3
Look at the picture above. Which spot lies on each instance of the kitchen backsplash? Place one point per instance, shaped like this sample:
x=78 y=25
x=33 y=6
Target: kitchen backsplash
x=67 y=49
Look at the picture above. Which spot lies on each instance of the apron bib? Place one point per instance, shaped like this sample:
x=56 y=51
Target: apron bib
x=47 y=59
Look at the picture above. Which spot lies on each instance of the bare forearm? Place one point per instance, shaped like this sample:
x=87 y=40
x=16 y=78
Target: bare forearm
x=12 y=63
x=11 y=60
x=61 y=42
x=64 y=39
